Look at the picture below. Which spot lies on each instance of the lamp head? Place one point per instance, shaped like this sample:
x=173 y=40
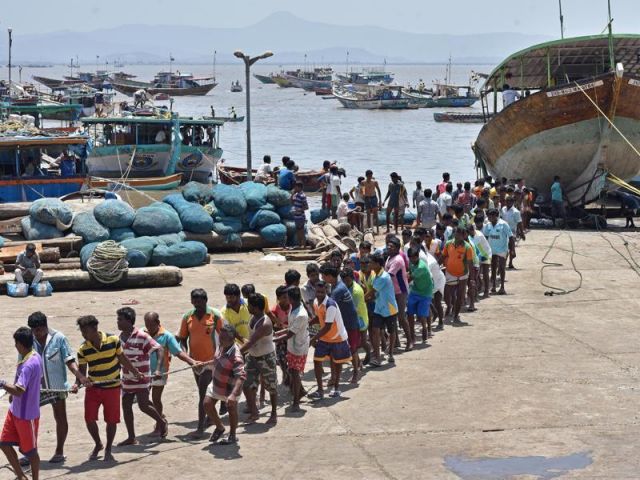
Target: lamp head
x=238 y=54
x=267 y=54
x=10 y=30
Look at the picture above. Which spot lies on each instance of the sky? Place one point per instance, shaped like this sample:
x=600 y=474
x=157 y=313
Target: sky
x=582 y=17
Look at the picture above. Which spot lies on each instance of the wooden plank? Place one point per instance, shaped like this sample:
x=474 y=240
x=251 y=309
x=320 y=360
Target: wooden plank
x=11 y=267
x=341 y=246
x=47 y=255
x=11 y=226
x=65 y=244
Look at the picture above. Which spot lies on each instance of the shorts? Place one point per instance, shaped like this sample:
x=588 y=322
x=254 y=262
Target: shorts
x=394 y=202
x=354 y=340
x=336 y=352
x=453 y=280
x=390 y=323
x=20 y=433
x=216 y=395
x=501 y=255
x=300 y=223
x=360 y=205
x=334 y=201
x=281 y=355
x=296 y=362
x=371 y=202
x=327 y=200
x=108 y=399
x=418 y=305
x=52 y=398
x=264 y=365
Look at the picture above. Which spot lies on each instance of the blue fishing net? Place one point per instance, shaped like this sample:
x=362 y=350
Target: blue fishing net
x=86 y=225
x=114 y=214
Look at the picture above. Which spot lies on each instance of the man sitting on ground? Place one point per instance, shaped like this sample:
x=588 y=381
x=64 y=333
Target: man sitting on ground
x=28 y=266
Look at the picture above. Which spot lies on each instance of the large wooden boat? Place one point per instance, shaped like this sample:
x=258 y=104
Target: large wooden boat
x=310 y=79
x=371 y=97
x=152 y=183
x=54 y=83
x=230 y=175
x=581 y=87
x=170 y=83
x=461 y=117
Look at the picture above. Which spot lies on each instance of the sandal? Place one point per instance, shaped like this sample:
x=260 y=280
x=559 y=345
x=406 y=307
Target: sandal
x=375 y=363
x=57 y=458
x=215 y=436
x=229 y=440
x=316 y=396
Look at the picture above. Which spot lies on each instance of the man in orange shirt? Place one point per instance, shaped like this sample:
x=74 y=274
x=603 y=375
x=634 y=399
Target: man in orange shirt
x=457 y=256
x=199 y=335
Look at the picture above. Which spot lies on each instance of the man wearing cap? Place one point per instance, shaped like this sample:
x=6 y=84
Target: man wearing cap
x=28 y=266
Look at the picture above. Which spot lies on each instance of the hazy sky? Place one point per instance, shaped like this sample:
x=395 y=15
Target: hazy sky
x=425 y=16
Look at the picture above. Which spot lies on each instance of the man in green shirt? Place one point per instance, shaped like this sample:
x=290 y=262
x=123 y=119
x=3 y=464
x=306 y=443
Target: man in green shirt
x=420 y=292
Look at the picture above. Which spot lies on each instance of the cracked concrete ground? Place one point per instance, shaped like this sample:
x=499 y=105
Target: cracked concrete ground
x=530 y=376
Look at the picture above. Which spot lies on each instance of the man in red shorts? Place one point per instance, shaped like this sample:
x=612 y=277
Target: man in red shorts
x=297 y=337
x=21 y=423
x=102 y=356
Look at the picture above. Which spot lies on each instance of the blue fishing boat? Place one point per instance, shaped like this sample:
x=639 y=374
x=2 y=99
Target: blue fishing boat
x=158 y=146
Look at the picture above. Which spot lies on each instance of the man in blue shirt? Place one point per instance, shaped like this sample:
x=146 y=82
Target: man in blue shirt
x=56 y=356
x=342 y=296
x=286 y=177
x=557 y=200
x=498 y=233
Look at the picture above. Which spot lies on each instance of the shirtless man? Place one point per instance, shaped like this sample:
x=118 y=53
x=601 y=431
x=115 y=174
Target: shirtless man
x=372 y=198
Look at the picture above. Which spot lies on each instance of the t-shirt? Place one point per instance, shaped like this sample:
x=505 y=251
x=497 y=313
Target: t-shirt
x=361 y=306
x=482 y=246
x=442 y=187
x=386 y=304
x=455 y=256
x=367 y=284
x=299 y=205
x=397 y=270
x=137 y=348
x=421 y=281
x=334 y=184
x=512 y=217
x=55 y=354
x=28 y=262
x=228 y=366
x=498 y=236
x=282 y=317
x=264 y=171
x=427 y=211
x=444 y=200
x=329 y=313
x=342 y=296
x=286 y=179
x=438 y=277
x=240 y=319
x=28 y=376
x=201 y=333
x=509 y=96
x=299 y=326
x=556 y=192
x=342 y=211
x=103 y=364
x=418 y=196
x=435 y=246
x=171 y=347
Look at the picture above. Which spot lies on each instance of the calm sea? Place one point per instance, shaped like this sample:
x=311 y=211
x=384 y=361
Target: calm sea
x=311 y=129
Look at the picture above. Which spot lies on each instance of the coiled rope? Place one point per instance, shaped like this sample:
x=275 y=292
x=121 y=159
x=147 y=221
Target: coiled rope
x=108 y=263
x=546 y=264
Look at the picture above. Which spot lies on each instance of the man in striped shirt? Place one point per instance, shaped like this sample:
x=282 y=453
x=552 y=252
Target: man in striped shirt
x=137 y=346
x=101 y=354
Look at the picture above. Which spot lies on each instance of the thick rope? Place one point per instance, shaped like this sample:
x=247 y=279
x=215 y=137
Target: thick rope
x=546 y=264
x=108 y=263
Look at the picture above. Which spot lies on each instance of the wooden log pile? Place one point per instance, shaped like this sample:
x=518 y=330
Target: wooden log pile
x=53 y=254
x=322 y=240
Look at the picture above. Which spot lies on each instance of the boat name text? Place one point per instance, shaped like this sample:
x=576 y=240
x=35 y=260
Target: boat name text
x=570 y=90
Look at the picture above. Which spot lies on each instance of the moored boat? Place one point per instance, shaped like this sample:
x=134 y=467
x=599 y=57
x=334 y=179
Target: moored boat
x=371 y=97
x=231 y=175
x=581 y=87
x=236 y=87
x=461 y=117
x=266 y=79
x=173 y=84
x=151 y=183
x=366 y=77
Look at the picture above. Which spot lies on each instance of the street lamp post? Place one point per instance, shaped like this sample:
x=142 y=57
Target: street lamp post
x=10 y=43
x=248 y=61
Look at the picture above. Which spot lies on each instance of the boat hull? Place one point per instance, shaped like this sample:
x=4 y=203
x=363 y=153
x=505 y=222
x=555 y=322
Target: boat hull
x=264 y=78
x=560 y=132
x=169 y=182
x=458 y=117
x=234 y=175
x=29 y=189
x=376 y=104
x=173 y=92
x=198 y=164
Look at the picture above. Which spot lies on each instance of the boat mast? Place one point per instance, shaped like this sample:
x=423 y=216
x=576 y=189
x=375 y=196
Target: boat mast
x=561 y=20
x=611 y=55
x=346 y=72
x=214 y=64
x=10 y=43
x=170 y=62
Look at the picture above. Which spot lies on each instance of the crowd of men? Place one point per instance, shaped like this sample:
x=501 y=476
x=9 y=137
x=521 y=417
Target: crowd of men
x=348 y=309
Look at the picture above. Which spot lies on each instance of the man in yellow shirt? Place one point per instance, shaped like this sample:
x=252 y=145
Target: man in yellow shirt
x=236 y=312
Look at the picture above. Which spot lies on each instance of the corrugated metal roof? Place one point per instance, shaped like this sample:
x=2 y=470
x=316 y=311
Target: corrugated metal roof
x=570 y=59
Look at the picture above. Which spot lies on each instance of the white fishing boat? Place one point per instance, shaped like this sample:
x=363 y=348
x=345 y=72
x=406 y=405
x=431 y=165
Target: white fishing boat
x=371 y=97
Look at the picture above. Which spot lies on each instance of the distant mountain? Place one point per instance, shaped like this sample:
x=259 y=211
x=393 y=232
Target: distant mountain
x=288 y=36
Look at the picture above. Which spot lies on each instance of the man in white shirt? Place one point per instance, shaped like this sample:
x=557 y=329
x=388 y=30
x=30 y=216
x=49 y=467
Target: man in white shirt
x=512 y=216
x=264 y=172
x=445 y=199
x=333 y=189
x=509 y=96
x=428 y=210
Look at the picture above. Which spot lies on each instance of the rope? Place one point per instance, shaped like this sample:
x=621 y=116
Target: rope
x=553 y=289
x=108 y=263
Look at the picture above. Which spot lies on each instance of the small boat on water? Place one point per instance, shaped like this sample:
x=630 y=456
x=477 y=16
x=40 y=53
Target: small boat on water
x=132 y=148
x=371 y=97
x=266 y=79
x=234 y=175
x=366 y=77
x=170 y=83
x=235 y=86
x=461 y=117
x=311 y=79
x=237 y=118
x=573 y=91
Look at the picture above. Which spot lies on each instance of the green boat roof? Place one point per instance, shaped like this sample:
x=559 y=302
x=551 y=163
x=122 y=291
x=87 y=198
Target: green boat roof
x=41 y=108
x=565 y=59
x=150 y=120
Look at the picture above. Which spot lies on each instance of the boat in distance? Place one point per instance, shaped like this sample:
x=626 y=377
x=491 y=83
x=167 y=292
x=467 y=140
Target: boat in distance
x=573 y=91
x=461 y=117
x=371 y=97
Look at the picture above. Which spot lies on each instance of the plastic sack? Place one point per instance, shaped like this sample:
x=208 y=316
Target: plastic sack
x=229 y=199
x=85 y=253
x=275 y=234
x=51 y=211
x=235 y=223
x=183 y=255
x=17 y=290
x=409 y=218
x=290 y=225
x=285 y=212
x=171 y=238
x=319 y=215
x=262 y=218
x=120 y=234
x=42 y=289
x=2 y=240
x=86 y=225
x=114 y=214
x=193 y=216
x=156 y=220
x=139 y=250
x=35 y=230
x=197 y=192
x=222 y=229
x=254 y=193
x=278 y=197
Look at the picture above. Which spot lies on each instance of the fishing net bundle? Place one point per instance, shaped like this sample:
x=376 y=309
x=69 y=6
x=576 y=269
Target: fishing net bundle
x=114 y=214
x=52 y=211
x=183 y=255
x=85 y=225
x=193 y=216
x=156 y=219
x=35 y=230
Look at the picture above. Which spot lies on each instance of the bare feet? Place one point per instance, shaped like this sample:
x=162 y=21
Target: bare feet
x=273 y=419
x=108 y=457
x=96 y=450
x=295 y=408
x=198 y=434
x=127 y=442
x=253 y=418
